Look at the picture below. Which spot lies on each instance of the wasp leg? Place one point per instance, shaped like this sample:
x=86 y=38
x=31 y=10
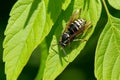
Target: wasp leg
x=88 y=25
x=80 y=40
x=67 y=56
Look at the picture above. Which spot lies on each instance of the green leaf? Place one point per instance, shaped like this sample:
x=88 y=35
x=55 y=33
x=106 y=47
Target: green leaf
x=107 y=57
x=107 y=52
x=23 y=34
x=53 y=11
x=115 y=4
x=57 y=61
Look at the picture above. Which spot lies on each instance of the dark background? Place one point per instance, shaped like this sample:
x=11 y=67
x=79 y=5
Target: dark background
x=5 y=7
x=82 y=68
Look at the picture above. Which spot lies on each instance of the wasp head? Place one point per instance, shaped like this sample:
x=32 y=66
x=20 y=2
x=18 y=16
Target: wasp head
x=65 y=39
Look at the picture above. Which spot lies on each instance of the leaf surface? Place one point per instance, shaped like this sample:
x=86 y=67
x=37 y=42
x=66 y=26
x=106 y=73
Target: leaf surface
x=23 y=34
x=107 y=57
x=57 y=61
x=115 y=4
x=52 y=14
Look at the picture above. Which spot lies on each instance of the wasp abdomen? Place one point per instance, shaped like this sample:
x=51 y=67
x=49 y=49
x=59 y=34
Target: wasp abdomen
x=77 y=25
x=73 y=28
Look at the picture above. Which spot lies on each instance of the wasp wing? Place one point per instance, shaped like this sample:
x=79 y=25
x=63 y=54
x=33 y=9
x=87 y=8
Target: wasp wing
x=74 y=16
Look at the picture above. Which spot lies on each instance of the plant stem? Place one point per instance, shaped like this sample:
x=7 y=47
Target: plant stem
x=107 y=11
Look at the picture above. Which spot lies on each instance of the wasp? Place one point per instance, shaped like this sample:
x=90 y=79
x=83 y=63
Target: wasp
x=74 y=27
